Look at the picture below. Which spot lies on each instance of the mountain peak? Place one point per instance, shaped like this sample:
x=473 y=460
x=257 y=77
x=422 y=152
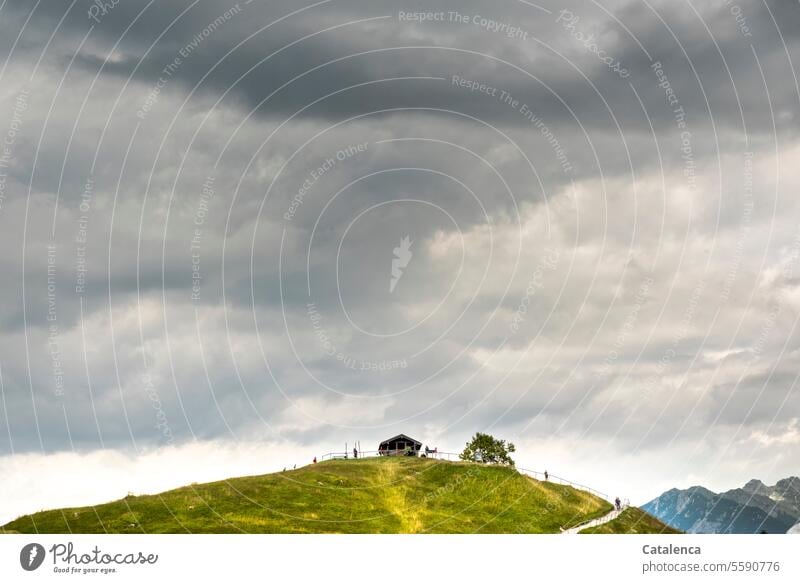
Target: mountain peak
x=698 y=490
x=755 y=507
x=754 y=485
x=792 y=482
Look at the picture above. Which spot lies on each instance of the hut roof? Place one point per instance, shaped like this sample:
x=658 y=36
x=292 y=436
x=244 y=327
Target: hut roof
x=402 y=436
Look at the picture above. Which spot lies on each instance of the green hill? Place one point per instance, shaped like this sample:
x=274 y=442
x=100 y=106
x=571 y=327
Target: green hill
x=379 y=495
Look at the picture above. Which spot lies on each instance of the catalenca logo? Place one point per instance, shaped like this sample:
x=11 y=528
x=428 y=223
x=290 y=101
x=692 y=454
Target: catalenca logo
x=31 y=556
x=402 y=255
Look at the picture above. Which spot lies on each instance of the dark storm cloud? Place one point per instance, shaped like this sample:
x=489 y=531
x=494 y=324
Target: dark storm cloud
x=713 y=71
x=591 y=356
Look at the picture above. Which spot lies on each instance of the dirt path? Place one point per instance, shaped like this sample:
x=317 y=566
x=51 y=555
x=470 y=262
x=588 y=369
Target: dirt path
x=397 y=502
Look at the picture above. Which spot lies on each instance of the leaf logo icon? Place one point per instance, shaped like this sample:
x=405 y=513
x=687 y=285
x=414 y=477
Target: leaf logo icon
x=402 y=256
x=31 y=556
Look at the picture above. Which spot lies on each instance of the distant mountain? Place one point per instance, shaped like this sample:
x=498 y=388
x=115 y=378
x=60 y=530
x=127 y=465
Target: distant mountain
x=753 y=508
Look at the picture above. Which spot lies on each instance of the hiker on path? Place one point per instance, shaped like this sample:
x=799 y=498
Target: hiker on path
x=355 y=454
x=315 y=459
x=617 y=503
x=546 y=476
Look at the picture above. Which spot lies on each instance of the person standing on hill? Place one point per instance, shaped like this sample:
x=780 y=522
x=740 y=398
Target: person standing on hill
x=546 y=476
x=617 y=503
x=355 y=454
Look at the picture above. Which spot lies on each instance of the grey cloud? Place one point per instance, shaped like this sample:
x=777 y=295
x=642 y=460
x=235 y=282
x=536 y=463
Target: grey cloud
x=589 y=360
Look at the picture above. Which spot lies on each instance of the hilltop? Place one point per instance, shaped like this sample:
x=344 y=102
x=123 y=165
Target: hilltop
x=375 y=495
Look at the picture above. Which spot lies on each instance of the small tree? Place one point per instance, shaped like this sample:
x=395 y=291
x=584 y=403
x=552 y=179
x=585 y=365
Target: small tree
x=485 y=449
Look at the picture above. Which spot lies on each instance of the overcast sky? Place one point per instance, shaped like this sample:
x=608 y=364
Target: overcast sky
x=203 y=208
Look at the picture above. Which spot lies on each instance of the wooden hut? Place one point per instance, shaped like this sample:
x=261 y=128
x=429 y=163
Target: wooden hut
x=399 y=445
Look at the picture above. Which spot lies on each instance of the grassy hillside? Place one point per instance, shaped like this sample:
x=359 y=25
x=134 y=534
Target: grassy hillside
x=632 y=521
x=383 y=495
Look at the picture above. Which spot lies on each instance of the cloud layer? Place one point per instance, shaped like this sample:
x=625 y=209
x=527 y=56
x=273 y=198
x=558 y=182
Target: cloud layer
x=201 y=204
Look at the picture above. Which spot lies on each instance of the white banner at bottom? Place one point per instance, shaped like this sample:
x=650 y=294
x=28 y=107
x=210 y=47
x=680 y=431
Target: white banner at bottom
x=399 y=558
